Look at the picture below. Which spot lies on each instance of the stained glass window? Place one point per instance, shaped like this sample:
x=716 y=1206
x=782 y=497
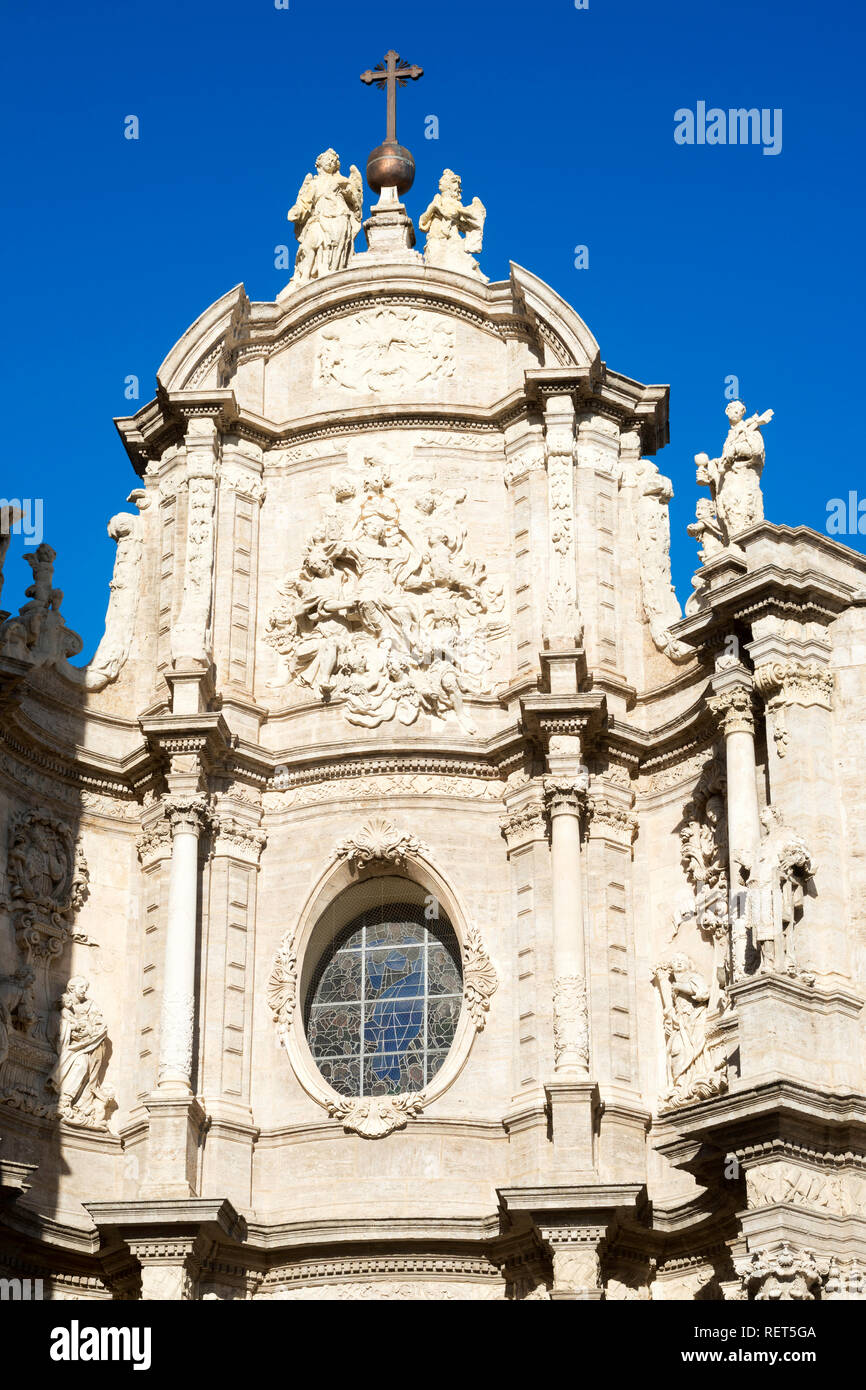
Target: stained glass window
x=384 y=1003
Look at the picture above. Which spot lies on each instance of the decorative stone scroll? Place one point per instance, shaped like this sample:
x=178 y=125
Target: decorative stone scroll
x=375 y=1116
x=388 y=613
x=653 y=494
x=113 y=650
x=787 y=683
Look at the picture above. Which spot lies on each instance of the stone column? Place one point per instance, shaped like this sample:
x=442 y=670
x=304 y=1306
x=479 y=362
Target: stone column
x=178 y=998
x=733 y=704
x=170 y=1265
x=565 y=796
x=576 y=1252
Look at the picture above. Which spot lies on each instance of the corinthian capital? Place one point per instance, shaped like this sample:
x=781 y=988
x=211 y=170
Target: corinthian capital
x=187 y=814
x=566 y=795
x=734 y=708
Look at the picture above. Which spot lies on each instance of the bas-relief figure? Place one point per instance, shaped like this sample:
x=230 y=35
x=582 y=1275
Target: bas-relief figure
x=704 y=859
x=327 y=218
x=454 y=232
x=734 y=479
x=388 y=613
x=696 y=1065
x=775 y=891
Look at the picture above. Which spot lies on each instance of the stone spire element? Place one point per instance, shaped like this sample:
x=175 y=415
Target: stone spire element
x=390 y=171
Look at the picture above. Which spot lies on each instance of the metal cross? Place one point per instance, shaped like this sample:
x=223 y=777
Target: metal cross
x=391 y=71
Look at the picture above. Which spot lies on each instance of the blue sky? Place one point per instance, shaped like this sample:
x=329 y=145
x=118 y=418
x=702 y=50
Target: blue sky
x=704 y=261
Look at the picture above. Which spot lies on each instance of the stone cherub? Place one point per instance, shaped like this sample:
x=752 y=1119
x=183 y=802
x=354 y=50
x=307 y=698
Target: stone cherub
x=734 y=479
x=774 y=893
x=454 y=232
x=327 y=218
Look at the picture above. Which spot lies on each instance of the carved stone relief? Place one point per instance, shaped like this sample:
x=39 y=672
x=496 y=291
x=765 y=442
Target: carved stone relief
x=387 y=612
x=386 y=351
x=696 y=1063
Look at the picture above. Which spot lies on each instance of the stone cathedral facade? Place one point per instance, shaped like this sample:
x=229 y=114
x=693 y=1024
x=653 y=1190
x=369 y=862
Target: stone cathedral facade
x=407 y=900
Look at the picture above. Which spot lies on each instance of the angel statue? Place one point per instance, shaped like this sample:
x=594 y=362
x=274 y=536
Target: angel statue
x=327 y=218
x=454 y=232
x=734 y=479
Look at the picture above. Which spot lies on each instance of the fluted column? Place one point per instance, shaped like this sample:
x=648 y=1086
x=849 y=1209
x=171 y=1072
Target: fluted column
x=565 y=797
x=733 y=703
x=186 y=816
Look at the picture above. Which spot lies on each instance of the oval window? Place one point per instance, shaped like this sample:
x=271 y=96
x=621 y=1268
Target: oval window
x=384 y=1002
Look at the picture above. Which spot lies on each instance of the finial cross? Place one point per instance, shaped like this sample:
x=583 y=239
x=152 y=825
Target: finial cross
x=391 y=71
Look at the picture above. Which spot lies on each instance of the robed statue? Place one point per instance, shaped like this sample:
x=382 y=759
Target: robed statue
x=327 y=218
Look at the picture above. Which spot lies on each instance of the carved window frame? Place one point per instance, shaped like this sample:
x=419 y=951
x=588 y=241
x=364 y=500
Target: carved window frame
x=337 y=898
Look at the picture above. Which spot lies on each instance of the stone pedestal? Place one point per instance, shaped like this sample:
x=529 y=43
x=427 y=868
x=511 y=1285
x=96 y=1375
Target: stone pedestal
x=390 y=233
x=175 y=1135
x=790 y=1030
x=573 y=1107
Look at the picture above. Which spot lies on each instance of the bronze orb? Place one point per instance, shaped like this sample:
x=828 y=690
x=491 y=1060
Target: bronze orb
x=390 y=166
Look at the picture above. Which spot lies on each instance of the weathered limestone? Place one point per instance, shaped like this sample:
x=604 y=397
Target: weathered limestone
x=406 y=902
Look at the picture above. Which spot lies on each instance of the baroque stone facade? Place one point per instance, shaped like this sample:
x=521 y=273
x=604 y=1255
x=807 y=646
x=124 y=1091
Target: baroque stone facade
x=407 y=901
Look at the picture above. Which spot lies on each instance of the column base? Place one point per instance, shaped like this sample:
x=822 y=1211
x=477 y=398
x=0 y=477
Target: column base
x=573 y=1107
x=176 y=1126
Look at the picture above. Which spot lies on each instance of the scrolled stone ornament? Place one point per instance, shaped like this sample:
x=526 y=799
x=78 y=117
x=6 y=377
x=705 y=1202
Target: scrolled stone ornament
x=373 y=1117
